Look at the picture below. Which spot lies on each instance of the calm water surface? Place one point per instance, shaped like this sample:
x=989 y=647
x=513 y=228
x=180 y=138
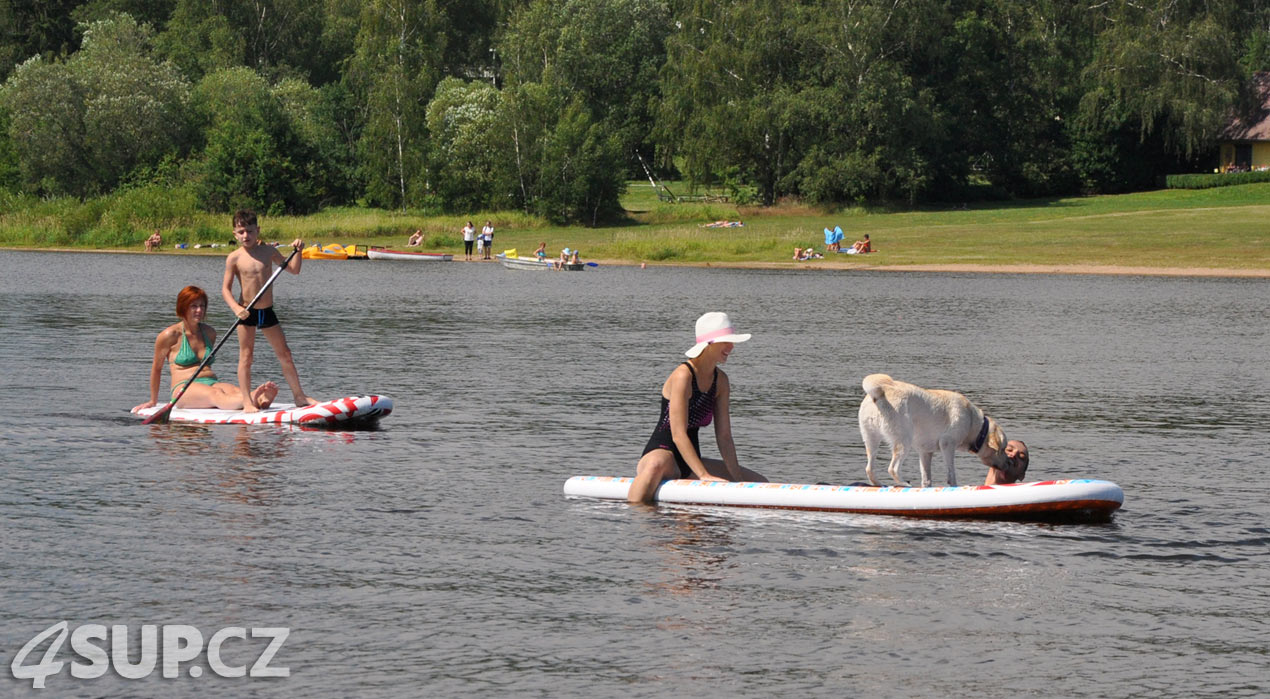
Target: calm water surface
x=436 y=556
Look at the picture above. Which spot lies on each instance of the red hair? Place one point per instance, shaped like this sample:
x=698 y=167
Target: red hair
x=188 y=296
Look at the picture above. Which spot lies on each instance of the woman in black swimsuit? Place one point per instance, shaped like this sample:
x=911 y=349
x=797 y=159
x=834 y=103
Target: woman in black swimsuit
x=695 y=395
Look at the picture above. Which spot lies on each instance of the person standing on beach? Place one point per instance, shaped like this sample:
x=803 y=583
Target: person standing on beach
x=469 y=237
x=252 y=264
x=488 y=234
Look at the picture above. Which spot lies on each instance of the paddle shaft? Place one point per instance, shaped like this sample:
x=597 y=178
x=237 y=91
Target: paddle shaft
x=208 y=356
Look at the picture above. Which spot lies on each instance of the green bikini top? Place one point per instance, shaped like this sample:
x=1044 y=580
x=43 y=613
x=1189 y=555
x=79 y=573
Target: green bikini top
x=185 y=356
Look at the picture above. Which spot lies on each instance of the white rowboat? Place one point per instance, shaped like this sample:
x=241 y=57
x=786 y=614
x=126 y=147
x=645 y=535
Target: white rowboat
x=381 y=254
x=534 y=264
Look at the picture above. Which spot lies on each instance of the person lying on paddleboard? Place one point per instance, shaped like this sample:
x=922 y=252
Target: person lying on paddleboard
x=183 y=346
x=695 y=394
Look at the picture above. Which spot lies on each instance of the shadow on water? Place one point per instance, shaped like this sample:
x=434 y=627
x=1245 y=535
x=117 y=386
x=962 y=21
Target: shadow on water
x=694 y=549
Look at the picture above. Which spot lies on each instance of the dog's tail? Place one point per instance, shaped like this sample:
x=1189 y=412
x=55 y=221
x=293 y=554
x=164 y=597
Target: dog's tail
x=875 y=385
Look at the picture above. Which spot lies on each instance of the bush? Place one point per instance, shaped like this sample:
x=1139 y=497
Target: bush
x=133 y=213
x=1218 y=179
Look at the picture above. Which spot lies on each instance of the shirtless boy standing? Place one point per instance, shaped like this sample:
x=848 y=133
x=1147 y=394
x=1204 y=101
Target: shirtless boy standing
x=251 y=264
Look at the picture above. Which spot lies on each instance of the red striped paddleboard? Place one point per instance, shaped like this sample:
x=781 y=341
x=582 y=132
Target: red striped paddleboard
x=352 y=411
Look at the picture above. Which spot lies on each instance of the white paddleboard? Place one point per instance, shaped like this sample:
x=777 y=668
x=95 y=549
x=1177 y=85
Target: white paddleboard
x=1079 y=500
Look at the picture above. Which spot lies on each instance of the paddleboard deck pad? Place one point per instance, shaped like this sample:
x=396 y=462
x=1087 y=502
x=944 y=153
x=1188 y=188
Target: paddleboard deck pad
x=341 y=413
x=1074 y=500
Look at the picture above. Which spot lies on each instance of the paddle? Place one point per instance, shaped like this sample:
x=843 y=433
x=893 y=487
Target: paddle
x=161 y=415
x=593 y=264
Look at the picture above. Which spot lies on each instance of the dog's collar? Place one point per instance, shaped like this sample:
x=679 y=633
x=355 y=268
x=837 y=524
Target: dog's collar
x=976 y=445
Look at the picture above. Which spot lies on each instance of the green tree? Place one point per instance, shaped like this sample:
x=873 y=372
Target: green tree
x=201 y=40
x=82 y=125
x=266 y=147
x=10 y=174
x=734 y=93
x=608 y=54
x=578 y=178
x=392 y=74
x=580 y=87
x=471 y=168
x=152 y=12
x=1169 y=65
x=29 y=29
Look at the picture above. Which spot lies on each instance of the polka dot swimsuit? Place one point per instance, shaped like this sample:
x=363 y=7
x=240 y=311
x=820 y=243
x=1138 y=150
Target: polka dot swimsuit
x=700 y=414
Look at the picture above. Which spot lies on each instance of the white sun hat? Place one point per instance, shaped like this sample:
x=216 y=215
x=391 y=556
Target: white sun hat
x=715 y=327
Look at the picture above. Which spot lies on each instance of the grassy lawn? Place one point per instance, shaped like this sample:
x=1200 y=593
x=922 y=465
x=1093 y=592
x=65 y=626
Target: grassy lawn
x=1226 y=227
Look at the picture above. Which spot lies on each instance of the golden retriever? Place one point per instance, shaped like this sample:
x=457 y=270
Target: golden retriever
x=911 y=418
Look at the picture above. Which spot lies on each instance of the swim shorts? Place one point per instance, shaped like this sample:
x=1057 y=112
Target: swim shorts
x=261 y=318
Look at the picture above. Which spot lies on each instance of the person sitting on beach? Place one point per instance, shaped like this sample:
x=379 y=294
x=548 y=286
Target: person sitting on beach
x=416 y=239
x=798 y=255
x=563 y=259
x=541 y=252
x=154 y=242
x=696 y=394
x=575 y=259
x=183 y=346
x=862 y=246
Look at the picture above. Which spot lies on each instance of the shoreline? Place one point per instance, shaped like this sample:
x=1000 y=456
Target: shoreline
x=833 y=265
x=1067 y=269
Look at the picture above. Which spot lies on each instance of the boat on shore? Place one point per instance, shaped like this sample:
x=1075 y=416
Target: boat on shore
x=1063 y=501
x=334 y=251
x=376 y=253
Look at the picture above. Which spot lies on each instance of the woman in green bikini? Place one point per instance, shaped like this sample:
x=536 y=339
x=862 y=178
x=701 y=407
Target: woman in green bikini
x=183 y=346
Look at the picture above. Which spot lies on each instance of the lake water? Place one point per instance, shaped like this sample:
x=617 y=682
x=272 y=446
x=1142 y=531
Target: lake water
x=436 y=556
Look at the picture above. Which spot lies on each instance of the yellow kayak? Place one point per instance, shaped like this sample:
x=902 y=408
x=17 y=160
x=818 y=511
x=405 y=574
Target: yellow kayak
x=334 y=251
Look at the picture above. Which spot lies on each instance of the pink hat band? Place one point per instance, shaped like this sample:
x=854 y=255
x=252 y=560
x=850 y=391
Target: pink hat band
x=714 y=327
x=715 y=334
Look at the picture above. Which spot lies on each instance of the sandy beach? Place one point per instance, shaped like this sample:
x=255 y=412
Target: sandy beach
x=977 y=269
x=837 y=265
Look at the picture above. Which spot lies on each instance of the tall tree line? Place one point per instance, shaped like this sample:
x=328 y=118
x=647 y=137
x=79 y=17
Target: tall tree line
x=544 y=105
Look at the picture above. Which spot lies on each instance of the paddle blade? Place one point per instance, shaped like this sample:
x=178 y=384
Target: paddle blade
x=593 y=264
x=160 y=416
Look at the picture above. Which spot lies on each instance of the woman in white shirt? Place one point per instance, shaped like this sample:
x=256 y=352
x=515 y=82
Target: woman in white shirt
x=469 y=237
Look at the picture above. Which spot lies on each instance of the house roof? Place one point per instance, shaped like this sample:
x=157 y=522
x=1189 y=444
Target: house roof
x=1254 y=126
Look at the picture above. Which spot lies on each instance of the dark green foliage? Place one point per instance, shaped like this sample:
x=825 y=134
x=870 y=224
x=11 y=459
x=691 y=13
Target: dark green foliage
x=545 y=103
x=79 y=126
x=10 y=175
x=1205 y=181
x=579 y=180
x=35 y=28
x=266 y=147
x=471 y=165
